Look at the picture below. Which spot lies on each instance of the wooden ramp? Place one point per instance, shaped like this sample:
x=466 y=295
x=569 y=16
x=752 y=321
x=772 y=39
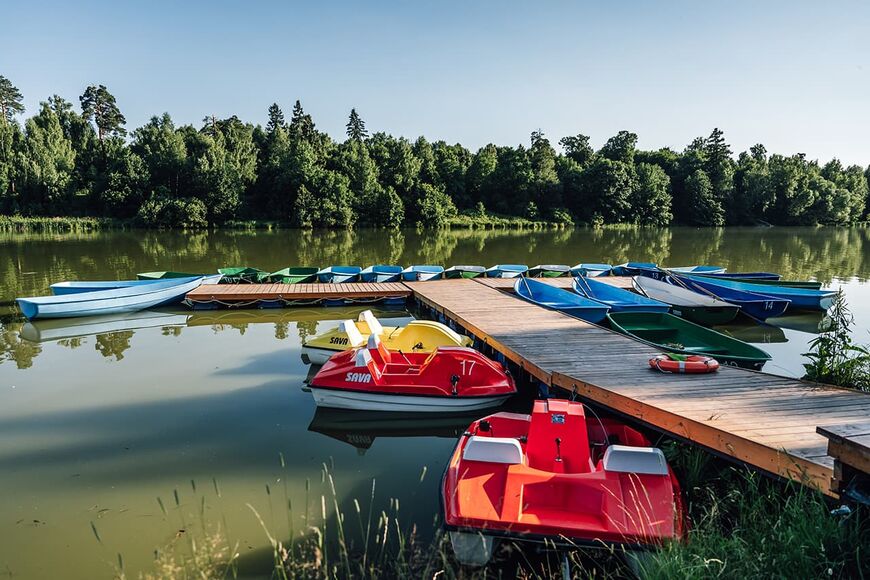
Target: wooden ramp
x=763 y=420
x=250 y=294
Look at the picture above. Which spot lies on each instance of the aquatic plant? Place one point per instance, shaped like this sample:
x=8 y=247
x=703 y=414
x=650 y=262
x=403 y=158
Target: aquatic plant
x=834 y=357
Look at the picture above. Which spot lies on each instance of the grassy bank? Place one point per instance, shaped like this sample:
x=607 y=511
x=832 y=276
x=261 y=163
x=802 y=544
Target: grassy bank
x=60 y=225
x=743 y=526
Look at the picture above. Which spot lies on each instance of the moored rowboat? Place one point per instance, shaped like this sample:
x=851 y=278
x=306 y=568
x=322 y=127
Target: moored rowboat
x=454 y=272
x=691 y=305
x=543 y=294
x=617 y=299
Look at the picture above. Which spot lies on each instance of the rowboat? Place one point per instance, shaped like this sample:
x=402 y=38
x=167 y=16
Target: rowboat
x=591 y=270
x=701 y=308
x=242 y=274
x=558 y=477
x=673 y=334
x=80 y=286
x=617 y=299
x=802 y=298
x=759 y=276
x=294 y=275
x=123 y=299
x=548 y=271
x=698 y=269
x=164 y=274
x=753 y=304
x=417 y=336
x=749 y=279
x=506 y=271
x=543 y=294
x=52 y=329
x=422 y=273
x=374 y=378
x=633 y=268
x=339 y=274
x=463 y=272
x=381 y=273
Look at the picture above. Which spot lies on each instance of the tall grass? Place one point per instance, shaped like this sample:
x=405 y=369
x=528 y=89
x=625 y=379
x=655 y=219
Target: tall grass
x=60 y=225
x=834 y=357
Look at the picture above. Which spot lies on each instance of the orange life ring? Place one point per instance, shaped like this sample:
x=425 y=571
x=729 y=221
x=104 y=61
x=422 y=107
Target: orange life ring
x=694 y=364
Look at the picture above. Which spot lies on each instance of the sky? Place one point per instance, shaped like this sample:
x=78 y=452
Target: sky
x=794 y=76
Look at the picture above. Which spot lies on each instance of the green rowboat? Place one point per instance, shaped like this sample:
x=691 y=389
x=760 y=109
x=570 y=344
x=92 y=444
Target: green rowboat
x=294 y=276
x=808 y=284
x=454 y=272
x=548 y=271
x=673 y=334
x=245 y=275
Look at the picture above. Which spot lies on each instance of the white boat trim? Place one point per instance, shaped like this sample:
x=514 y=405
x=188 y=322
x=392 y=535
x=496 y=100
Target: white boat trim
x=368 y=401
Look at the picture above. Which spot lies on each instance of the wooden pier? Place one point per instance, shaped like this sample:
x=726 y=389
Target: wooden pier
x=761 y=420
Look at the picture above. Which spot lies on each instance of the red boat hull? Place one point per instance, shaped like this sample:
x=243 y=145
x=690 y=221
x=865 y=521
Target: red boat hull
x=561 y=484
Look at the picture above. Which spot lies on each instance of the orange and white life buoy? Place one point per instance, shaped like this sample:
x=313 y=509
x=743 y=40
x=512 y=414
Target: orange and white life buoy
x=694 y=364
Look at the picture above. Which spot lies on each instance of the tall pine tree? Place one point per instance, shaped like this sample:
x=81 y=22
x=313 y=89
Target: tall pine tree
x=276 y=119
x=10 y=100
x=98 y=104
x=356 y=127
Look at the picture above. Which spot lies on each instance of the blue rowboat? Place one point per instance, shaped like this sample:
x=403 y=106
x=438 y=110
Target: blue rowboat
x=113 y=301
x=591 y=270
x=506 y=271
x=698 y=269
x=339 y=274
x=634 y=268
x=543 y=294
x=801 y=298
x=381 y=273
x=618 y=299
x=548 y=271
x=754 y=304
x=745 y=275
x=422 y=273
x=77 y=287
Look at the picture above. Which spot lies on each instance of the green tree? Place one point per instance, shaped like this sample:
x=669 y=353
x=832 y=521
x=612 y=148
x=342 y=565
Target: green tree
x=578 y=149
x=651 y=200
x=99 y=106
x=720 y=169
x=47 y=161
x=706 y=208
x=479 y=174
x=10 y=100
x=356 y=127
x=753 y=189
x=545 y=192
x=620 y=147
x=164 y=153
x=434 y=207
x=301 y=123
x=605 y=190
x=10 y=144
x=276 y=119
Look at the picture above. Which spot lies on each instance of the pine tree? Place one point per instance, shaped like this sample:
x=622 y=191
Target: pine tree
x=356 y=127
x=99 y=104
x=10 y=100
x=301 y=124
x=276 y=119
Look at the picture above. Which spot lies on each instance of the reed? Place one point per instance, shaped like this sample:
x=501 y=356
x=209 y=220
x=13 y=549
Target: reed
x=60 y=225
x=834 y=357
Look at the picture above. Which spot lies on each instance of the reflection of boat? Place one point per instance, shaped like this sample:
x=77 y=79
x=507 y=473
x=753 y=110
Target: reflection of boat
x=381 y=273
x=373 y=378
x=563 y=301
x=417 y=336
x=559 y=476
x=673 y=334
x=618 y=299
x=691 y=305
x=548 y=271
x=464 y=272
x=422 y=273
x=60 y=328
x=807 y=321
x=754 y=333
x=114 y=301
x=361 y=428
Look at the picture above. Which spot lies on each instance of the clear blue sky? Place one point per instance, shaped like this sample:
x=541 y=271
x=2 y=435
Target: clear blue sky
x=792 y=75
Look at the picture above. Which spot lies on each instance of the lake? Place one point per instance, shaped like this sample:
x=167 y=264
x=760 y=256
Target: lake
x=170 y=420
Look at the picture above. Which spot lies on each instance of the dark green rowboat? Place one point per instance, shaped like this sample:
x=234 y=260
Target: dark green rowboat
x=243 y=274
x=454 y=272
x=298 y=275
x=673 y=334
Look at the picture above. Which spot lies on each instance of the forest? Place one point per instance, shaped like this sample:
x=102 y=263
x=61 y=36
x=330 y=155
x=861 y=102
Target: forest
x=69 y=161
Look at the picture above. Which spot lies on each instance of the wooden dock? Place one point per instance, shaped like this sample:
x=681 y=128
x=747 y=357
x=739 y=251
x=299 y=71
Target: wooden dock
x=758 y=419
x=762 y=420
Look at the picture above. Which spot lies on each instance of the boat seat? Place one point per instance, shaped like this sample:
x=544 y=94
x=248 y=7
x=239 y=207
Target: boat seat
x=493 y=450
x=379 y=352
x=370 y=319
x=642 y=460
x=354 y=336
x=363 y=358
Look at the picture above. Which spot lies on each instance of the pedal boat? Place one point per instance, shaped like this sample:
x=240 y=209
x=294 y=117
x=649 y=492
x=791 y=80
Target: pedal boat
x=418 y=336
x=555 y=476
x=372 y=378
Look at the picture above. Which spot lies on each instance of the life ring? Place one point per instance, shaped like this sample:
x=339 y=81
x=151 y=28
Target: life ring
x=694 y=364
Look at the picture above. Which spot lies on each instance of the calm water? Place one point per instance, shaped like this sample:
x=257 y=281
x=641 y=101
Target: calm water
x=98 y=421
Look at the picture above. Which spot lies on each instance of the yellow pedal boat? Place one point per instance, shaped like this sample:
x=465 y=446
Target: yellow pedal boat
x=417 y=336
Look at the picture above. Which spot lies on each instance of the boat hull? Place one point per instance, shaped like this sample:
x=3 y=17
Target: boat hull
x=707 y=315
x=546 y=296
x=801 y=298
x=466 y=272
x=366 y=401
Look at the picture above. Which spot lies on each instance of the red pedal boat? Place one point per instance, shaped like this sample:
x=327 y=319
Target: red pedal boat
x=376 y=379
x=556 y=475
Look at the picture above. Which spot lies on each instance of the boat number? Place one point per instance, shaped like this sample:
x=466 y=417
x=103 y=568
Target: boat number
x=338 y=340
x=768 y=305
x=466 y=370
x=358 y=378
x=557 y=419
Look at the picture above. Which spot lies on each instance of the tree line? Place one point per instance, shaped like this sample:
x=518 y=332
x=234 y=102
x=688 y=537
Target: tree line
x=66 y=162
